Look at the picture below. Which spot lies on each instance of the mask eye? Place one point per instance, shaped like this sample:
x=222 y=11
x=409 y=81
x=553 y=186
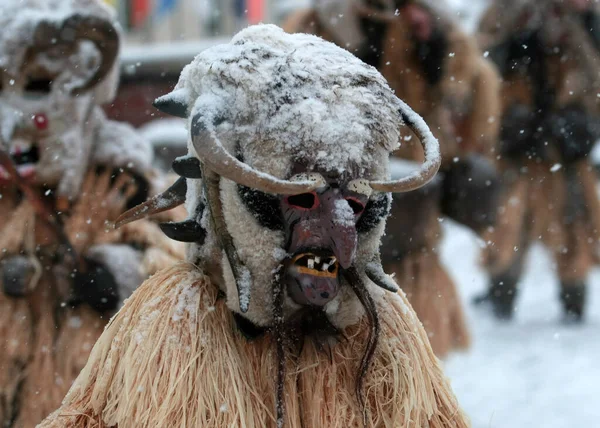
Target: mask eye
x=356 y=205
x=303 y=201
x=40 y=86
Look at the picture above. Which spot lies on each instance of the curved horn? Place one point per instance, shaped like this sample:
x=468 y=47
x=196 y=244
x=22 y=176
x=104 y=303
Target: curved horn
x=105 y=37
x=214 y=156
x=377 y=275
x=101 y=32
x=186 y=231
x=169 y=199
x=430 y=165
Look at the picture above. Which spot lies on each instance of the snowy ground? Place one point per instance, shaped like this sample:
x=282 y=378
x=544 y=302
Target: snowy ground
x=534 y=371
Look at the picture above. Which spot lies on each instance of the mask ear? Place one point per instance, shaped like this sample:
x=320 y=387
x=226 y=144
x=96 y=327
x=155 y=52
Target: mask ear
x=185 y=231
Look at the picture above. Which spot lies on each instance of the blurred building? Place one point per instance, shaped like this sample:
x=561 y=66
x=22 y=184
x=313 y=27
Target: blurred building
x=161 y=37
x=156 y=21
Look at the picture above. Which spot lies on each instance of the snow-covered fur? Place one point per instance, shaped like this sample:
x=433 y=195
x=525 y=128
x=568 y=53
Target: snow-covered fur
x=18 y=19
x=68 y=137
x=299 y=100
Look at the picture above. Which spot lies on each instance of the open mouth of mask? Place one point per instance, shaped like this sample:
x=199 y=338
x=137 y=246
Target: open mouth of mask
x=313 y=278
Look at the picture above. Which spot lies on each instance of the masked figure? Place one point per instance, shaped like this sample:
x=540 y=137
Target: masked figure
x=282 y=315
x=548 y=54
x=65 y=173
x=439 y=71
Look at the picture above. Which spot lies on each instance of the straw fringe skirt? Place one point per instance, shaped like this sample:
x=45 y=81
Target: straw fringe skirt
x=172 y=357
x=40 y=357
x=44 y=346
x=434 y=297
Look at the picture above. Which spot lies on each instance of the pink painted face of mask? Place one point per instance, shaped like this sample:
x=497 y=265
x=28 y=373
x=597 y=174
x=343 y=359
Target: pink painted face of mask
x=322 y=236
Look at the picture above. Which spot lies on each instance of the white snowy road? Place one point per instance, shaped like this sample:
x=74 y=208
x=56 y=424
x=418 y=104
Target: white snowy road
x=534 y=371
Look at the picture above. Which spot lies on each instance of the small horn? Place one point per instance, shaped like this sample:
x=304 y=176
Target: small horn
x=376 y=274
x=214 y=156
x=188 y=167
x=169 y=199
x=185 y=231
x=174 y=103
x=430 y=165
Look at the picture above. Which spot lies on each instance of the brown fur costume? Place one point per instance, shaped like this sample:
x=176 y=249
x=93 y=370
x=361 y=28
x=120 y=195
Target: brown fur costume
x=546 y=197
x=66 y=173
x=463 y=111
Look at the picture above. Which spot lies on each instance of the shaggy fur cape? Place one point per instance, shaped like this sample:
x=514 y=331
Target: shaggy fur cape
x=536 y=196
x=173 y=357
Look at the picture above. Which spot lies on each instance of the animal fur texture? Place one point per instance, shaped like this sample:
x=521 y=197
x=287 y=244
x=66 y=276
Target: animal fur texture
x=84 y=169
x=45 y=341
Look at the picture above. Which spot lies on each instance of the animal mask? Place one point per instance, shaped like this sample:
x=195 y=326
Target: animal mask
x=57 y=62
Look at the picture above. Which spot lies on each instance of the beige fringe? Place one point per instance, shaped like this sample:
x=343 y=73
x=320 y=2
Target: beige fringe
x=434 y=297
x=40 y=358
x=172 y=358
x=42 y=350
x=15 y=340
x=16 y=228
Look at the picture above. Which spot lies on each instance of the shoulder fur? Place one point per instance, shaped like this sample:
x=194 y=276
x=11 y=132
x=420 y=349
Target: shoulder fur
x=172 y=357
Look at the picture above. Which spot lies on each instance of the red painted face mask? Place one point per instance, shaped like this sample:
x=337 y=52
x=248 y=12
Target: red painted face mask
x=322 y=238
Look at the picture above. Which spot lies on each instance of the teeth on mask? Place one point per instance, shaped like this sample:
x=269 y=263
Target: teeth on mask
x=325 y=267
x=318 y=259
x=311 y=264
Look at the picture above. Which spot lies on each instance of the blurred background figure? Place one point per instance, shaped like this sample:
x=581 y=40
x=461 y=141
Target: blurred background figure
x=438 y=70
x=548 y=55
x=66 y=172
